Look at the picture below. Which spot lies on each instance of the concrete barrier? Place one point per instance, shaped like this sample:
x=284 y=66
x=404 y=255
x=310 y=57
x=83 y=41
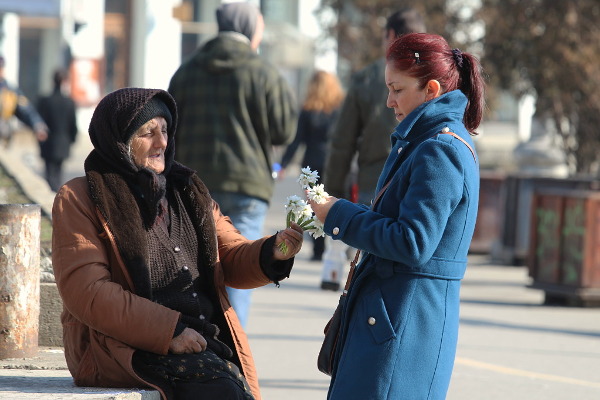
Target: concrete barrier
x=19 y=279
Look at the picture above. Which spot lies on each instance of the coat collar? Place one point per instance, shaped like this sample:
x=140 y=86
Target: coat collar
x=432 y=116
x=422 y=123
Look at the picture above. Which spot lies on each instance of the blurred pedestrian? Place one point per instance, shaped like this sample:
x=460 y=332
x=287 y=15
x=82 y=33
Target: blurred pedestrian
x=234 y=108
x=400 y=316
x=360 y=141
x=320 y=108
x=59 y=113
x=14 y=104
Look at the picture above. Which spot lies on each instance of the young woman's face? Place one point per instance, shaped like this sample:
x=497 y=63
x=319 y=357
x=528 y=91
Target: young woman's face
x=149 y=143
x=404 y=93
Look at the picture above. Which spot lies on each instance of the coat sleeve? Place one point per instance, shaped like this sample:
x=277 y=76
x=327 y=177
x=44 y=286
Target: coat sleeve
x=343 y=144
x=281 y=112
x=239 y=257
x=413 y=219
x=27 y=113
x=300 y=138
x=85 y=266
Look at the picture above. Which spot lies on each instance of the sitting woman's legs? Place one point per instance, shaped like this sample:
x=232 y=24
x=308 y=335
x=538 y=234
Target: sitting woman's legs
x=221 y=388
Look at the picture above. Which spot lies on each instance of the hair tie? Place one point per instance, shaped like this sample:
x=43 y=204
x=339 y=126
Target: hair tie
x=458 y=57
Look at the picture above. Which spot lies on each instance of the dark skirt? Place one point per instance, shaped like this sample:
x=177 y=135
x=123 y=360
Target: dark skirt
x=194 y=376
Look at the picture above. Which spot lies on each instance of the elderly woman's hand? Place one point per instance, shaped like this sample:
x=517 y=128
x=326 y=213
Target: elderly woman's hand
x=321 y=210
x=293 y=238
x=188 y=341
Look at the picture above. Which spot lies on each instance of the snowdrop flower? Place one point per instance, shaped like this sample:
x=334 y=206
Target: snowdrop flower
x=308 y=178
x=299 y=211
x=316 y=228
x=317 y=194
x=294 y=203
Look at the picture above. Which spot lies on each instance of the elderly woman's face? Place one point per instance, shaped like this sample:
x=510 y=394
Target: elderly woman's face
x=149 y=143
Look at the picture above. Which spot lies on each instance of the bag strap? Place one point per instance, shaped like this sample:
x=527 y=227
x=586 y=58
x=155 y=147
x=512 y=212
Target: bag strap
x=354 y=262
x=357 y=255
x=461 y=139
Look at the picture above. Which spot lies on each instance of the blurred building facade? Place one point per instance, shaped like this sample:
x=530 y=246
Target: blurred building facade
x=109 y=44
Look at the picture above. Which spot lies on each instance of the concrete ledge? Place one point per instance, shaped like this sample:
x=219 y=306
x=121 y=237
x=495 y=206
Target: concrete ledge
x=46 y=377
x=19 y=384
x=50 y=328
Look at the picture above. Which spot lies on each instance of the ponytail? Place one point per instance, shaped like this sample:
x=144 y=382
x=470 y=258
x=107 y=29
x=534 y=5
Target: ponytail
x=471 y=83
x=427 y=56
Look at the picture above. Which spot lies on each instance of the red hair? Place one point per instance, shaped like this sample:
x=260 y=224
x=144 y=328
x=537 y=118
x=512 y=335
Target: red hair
x=428 y=57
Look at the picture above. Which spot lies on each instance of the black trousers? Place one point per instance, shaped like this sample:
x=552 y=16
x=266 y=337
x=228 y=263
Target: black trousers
x=54 y=174
x=222 y=389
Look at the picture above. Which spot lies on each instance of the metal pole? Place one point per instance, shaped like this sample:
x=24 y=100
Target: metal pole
x=20 y=226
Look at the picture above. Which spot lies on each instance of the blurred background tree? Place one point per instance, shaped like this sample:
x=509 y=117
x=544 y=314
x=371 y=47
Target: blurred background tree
x=550 y=49
x=546 y=48
x=359 y=26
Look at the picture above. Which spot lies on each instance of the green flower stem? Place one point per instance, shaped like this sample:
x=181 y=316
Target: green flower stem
x=283 y=247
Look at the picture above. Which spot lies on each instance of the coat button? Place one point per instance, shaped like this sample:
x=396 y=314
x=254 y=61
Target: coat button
x=185 y=268
x=177 y=249
x=194 y=294
x=336 y=230
x=445 y=129
x=371 y=320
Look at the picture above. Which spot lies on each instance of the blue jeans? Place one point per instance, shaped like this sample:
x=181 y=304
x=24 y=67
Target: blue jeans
x=248 y=215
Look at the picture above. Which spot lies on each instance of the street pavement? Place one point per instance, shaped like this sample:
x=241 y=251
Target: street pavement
x=511 y=346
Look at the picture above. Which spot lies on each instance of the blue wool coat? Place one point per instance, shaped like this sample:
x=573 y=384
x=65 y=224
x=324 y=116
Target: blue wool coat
x=400 y=320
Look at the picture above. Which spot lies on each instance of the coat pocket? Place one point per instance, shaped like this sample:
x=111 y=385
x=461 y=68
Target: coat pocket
x=377 y=318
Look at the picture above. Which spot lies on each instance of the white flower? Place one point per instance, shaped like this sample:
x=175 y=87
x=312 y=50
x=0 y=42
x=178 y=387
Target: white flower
x=317 y=194
x=316 y=228
x=292 y=203
x=308 y=178
x=299 y=211
x=305 y=211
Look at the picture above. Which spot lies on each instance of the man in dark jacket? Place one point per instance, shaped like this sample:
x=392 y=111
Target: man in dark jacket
x=365 y=123
x=58 y=110
x=233 y=107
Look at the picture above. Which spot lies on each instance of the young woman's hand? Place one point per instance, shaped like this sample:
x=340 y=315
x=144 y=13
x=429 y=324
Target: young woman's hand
x=321 y=210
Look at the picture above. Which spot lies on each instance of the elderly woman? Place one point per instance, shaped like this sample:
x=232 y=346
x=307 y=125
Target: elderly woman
x=142 y=254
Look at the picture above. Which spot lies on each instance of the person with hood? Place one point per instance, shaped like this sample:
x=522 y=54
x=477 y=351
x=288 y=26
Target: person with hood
x=234 y=107
x=141 y=255
x=400 y=314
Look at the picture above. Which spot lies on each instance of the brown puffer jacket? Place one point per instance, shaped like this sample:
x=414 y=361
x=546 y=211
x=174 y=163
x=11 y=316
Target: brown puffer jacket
x=104 y=320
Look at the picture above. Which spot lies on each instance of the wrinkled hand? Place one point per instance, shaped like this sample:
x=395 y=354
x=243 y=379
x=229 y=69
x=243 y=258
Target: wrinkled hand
x=321 y=210
x=189 y=341
x=293 y=238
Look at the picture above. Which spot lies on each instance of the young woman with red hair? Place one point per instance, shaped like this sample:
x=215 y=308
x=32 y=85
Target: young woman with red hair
x=401 y=314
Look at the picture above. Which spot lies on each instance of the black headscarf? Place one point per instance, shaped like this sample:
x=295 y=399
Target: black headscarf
x=119 y=114
x=116 y=118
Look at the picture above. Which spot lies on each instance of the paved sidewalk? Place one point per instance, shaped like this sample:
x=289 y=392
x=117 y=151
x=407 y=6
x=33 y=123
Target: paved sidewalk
x=510 y=345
